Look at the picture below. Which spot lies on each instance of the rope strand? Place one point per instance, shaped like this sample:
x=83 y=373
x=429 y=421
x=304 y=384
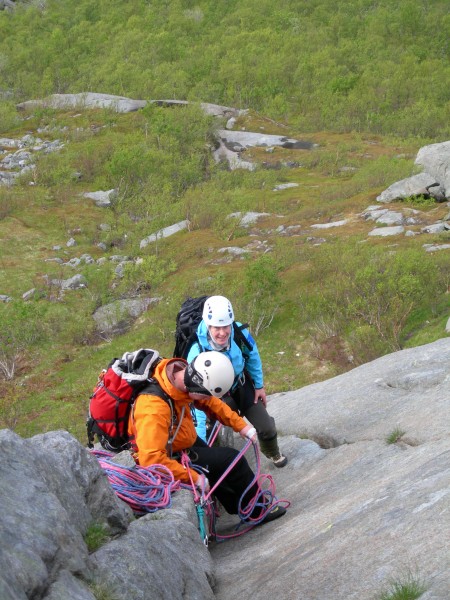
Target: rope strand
x=144 y=489
x=149 y=489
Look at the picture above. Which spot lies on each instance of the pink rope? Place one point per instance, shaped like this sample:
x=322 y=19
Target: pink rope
x=144 y=489
x=148 y=489
x=264 y=498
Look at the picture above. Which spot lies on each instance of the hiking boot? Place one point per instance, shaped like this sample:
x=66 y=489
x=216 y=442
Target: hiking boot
x=275 y=513
x=271 y=450
x=279 y=460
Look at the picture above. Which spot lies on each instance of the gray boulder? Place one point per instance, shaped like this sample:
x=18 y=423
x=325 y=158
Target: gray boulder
x=224 y=154
x=115 y=318
x=155 y=543
x=248 y=218
x=119 y=104
x=387 y=231
x=240 y=140
x=435 y=247
x=51 y=491
x=165 y=232
x=7 y=4
x=363 y=512
x=433 y=182
x=417 y=185
x=102 y=198
x=73 y=283
x=435 y=160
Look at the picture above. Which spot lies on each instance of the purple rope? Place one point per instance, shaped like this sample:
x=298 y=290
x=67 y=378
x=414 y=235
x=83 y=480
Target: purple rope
x=264 y=498
x=144 y=489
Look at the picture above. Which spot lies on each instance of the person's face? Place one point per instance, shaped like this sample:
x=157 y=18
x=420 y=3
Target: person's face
x=220 y=335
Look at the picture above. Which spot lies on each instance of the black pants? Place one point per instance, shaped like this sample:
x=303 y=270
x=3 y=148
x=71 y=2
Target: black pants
x=216 y=460
x=241 y=400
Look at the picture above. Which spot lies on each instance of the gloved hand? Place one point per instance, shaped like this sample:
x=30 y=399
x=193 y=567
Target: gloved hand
x=202 y=484
x=248 y=432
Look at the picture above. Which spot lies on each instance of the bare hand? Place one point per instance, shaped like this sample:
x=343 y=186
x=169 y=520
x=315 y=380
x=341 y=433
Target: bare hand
x=260 y=395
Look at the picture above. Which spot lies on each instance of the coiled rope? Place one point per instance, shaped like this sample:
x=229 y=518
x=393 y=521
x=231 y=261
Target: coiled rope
x=144 y=489
x=149 y=489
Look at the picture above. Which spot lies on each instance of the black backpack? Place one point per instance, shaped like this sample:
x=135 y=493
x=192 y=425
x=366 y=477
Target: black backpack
x=117 y=388
x=188 y=319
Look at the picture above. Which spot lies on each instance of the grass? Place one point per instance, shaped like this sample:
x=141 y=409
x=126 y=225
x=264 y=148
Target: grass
x=102 y=591
x=395 y=436
x=411 y=589
x=304 y=342
x=96 y=536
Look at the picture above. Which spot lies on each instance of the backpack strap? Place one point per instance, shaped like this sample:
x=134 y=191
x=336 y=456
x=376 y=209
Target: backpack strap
x=241 y=339
x=154 y=388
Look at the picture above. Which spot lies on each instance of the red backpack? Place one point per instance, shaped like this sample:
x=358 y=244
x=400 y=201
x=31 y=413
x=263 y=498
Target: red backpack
x=117 y=388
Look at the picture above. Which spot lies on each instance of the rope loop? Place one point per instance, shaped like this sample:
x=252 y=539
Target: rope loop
x=144 y=489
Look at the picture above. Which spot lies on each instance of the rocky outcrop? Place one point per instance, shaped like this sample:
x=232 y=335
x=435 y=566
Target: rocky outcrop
x=117 y=317
x=435 y=160
x=165 y=232
x=101 y=198
x=433 y=182
x=232 y=143
x=364 y=512
x=240 y=140
x=368 y=479
x=20 y=155
x=119 y=104
x=229 y=144
x=52 y=491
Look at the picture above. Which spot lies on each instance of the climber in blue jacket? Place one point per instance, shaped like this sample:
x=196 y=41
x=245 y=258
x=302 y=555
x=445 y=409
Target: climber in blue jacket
x=247 y=395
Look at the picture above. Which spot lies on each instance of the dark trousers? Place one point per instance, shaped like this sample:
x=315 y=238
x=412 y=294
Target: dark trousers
x=241 y=400
x=216 y=460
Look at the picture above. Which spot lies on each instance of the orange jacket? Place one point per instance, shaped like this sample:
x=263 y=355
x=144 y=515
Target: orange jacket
x=150 y=422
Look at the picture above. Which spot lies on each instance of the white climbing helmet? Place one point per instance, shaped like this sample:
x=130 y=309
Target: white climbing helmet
x=217 y=311
x=209 y=373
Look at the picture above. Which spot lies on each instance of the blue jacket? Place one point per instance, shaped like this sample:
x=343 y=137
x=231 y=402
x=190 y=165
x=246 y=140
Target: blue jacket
x=251 y=363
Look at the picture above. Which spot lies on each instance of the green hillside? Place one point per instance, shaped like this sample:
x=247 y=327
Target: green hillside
x=319 y=64
x=364 y=81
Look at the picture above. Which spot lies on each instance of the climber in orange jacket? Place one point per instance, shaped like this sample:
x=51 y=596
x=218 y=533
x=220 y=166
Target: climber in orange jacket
x=161 y=426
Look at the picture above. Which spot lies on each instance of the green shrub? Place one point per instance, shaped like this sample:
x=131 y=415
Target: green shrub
x=8 y=202
x=262 y=292
x=103 y=591
x=53 y=169
x=145 y=275
x=373 y=288
x=9 y=119
x=420 y=201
